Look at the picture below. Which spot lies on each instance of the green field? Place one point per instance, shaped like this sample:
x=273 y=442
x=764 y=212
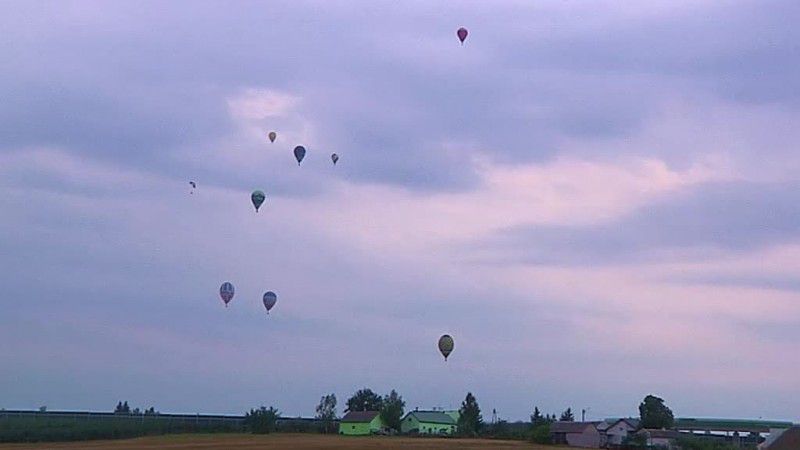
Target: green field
x=48 y=429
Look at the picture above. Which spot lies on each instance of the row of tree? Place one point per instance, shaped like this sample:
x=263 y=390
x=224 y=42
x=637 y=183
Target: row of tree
x=123 y=408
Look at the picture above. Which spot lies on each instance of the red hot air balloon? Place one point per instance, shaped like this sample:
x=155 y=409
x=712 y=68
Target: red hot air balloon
x=462 y=34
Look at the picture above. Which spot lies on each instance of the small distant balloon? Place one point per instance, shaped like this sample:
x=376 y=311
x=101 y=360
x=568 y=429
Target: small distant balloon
x=446 y=345
x=299 y=153
x=462 y=34
x=334 y=158
x=257 y=197
x=270 y=298
x=194 y=186
x=226 y=292
x=272 y=135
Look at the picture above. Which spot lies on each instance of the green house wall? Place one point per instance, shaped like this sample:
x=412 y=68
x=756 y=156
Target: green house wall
x=361 y=428
x=410 y=424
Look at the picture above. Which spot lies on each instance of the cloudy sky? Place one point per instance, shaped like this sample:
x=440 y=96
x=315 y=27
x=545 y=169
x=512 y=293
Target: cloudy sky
x=598 y=200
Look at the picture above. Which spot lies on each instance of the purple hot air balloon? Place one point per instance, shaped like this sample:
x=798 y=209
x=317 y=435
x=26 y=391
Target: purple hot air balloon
x=462 y=34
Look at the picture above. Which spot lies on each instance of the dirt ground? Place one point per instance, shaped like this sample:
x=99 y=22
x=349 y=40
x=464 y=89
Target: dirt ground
x=282 y=441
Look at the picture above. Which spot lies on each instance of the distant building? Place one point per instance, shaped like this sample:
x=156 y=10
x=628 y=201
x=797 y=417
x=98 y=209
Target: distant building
x=782 y=439
x=361 y=423
x=618 y=430
x=429 y=422
x=577 y=434
x=665 y=439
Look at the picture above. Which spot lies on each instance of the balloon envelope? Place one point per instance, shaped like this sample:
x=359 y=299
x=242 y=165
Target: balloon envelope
x=226 y=292
x=257 y=197
x=272 y=136
x=269 y=300
x=334 y=158
x=462 y=34
x=194 y=185
x=299 y=153
x=446 y=345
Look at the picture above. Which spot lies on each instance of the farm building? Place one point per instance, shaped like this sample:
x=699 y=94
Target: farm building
x=428 y=422
x=577 y=434
x=665 y=439
x=361 y=423
x=618 y=430
x=782 y=439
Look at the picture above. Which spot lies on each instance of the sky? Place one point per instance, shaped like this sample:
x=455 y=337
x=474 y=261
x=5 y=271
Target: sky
x=597 y=200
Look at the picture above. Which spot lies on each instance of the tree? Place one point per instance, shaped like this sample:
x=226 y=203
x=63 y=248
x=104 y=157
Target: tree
x=262 y=420
x=655 y=414
x=392 y=410
x=536 y=417
x=326 y=412
x=541 y=433
x=470 y=420
x=364 y=400
x=122 y=408
x=567 y=416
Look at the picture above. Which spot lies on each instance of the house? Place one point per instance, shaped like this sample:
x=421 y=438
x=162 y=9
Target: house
x=782 y=439
x=577 y=434
x=660 y=438
x=361 y=423
x=618 y=430
x=428 y=422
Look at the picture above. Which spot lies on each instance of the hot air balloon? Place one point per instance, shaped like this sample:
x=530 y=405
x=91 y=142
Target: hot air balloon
x=334 y=158
x=257 y=197
x=445 y=345
x=299 y=153
x=194 y=186
x=272 y=135
x=462 y=34
x=269 y=300
x=226 y=292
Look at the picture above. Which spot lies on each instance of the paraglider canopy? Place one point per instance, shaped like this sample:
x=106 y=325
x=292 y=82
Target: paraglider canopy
x=446 y=345
x=462 y=34
x=299 y=153
x=334 y=158
x=226 y=292
x=257 y=197
x=272 y=135
x=270 y=298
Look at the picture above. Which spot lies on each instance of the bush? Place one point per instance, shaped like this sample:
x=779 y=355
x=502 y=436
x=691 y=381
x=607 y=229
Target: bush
x=261 y=420
x=541 y=434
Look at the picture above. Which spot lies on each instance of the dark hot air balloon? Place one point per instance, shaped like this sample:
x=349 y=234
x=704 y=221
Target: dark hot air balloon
x=272 y=135
x=257 y=197
x=446 y=345
x=226 y=292
x=334 y=158
x=299 y=153
x=269 y=300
